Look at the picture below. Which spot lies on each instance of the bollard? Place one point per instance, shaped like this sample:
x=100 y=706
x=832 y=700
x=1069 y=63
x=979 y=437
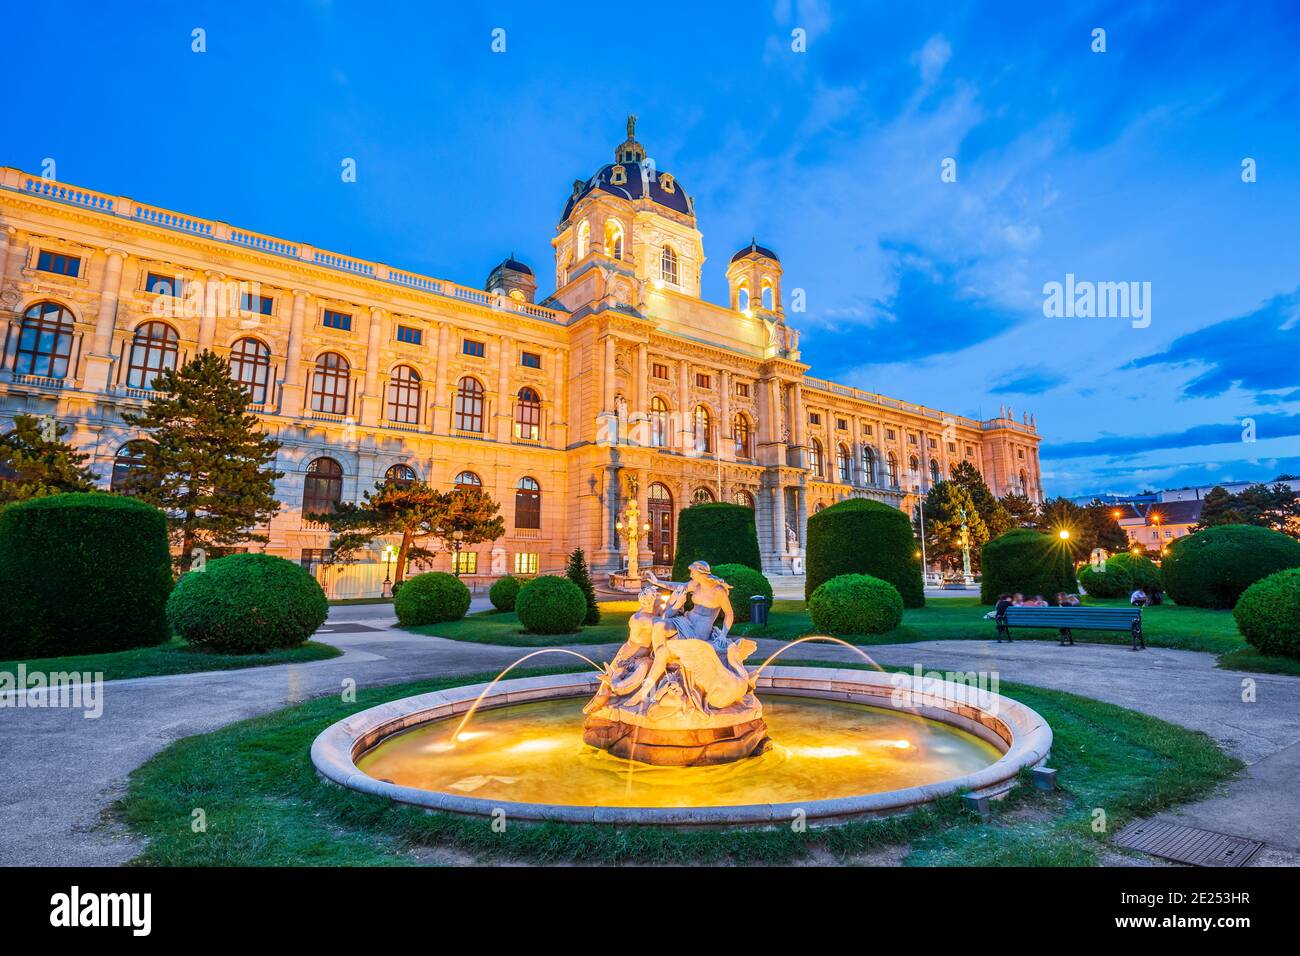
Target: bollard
x=758 y=610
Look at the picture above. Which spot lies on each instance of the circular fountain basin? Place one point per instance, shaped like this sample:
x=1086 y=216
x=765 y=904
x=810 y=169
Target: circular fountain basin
x=848 y=743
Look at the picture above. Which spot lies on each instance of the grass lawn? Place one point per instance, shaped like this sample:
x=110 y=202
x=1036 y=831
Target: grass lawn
x=174 y=657
x=942 y=619
x=265 y=805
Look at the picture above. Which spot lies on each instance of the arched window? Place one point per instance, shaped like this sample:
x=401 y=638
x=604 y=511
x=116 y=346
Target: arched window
x=584 y=240
x=399 y=475
x=891 y=465
x=842 y=463
x=1024 y=482
x=742 y=298
x=250 y=366
x=743 y=498
x=469 y=405
x=45 y=342
x=934 y=472
x=323 y=487
x=744 y=437
x=868 y=465
x=404 y=396
x=914 y=471
x=769 y=295
x=467 y=479
x=528 y=415
x=128 y=460
x=701 y=496
x=659 y=510
x=153 y=350
x=528 y=504
x=330 y=383
x=668 y=265
x=613 y=239
x=659 y=423
x=703 y=430
x=815 y=457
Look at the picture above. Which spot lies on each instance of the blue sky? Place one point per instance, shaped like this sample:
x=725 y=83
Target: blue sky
x=1115 y=166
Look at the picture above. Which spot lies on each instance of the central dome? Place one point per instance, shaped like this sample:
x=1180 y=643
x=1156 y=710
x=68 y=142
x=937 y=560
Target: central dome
x=632 y=177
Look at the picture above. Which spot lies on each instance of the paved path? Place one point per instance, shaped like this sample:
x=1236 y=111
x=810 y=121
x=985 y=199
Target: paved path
x=61 y=771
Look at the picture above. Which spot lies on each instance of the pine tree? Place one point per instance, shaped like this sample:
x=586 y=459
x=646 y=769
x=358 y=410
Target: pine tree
x=1101 y=528
x=577 y=573
x=207 y=463
x=1216 y=509
x=1020 y=510
x=35 y=461
x=944 y=506
x=995 y=517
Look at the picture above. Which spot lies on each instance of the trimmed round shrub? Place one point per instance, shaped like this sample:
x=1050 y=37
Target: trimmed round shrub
x=247 y=604
x=861 y=536
x=745 y=583
x=1213 y=567
x=1268 y=614
x=856 y=604
x=551 y=605
x=1124 y=572
x=431 y=598
x=1031 y=562
x=82 y=573
x=503 y=592
x=717 y=532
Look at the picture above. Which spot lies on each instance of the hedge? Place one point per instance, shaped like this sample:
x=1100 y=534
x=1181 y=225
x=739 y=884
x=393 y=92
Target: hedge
x=1213 y=567
x=431 y=598
x=861 y=536
x=503 y=592
x=247 y=604
x=1031 y=562
x=717 y=532
x=82 y=573
x=1123 y=573
x=551 y=605
x=856 y=604
x=1268 y=614
x=745 y=583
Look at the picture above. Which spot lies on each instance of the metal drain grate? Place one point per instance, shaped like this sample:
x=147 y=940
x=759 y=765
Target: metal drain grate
x=1187 y=844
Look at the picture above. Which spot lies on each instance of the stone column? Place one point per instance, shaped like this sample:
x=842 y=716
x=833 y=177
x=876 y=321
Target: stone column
x=441 y=400
x=292 y=391
x=212 y=288
x=505 y=401
x=641 y=407
x=726 y=440
x=683 y=404
x=99 y=360
x=559 y=429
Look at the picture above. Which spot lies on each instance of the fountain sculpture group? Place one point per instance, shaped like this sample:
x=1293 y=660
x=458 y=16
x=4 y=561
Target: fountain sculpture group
x=677 y=693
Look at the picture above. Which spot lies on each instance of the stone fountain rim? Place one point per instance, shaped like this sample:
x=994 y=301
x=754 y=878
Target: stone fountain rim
x=1020 y=732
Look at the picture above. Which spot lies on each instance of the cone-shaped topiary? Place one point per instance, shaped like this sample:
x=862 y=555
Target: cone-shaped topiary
x=551 y=605
x=577 y=573
x=431 y=598
x=1213 y=567
x=1031 y=562
x=247 y=604
x=745 y=583
x=856 y=604
x=503 y=592
x=717 y=532
x=1268 y=614
x=82 y=573
x=861 y=536
x=1121 y=574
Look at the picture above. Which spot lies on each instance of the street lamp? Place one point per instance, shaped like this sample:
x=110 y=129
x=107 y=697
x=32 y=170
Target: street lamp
x=457 y=542
x=1063 y=534
x=389 y=557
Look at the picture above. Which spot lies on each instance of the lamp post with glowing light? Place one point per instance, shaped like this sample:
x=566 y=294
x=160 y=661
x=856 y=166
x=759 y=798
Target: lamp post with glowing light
x=389 y=556
x=632 y=528
x=966 y=578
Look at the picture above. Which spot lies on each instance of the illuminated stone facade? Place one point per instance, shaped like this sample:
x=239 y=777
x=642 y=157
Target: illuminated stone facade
x=623 y=373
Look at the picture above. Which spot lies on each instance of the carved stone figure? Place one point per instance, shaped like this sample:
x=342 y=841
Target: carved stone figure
x=677 y=692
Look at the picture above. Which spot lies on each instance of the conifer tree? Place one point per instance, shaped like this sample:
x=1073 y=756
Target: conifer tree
x=995 y=517
x=35 y=461
x=577 y=573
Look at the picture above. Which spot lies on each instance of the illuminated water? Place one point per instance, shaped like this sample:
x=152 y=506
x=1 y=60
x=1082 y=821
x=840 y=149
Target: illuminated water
x=533 y=753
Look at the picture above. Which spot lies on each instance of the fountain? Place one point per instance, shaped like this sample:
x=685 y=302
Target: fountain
x=672 y=731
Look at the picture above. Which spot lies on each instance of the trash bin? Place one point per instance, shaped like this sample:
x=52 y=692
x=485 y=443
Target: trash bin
x=758 y=610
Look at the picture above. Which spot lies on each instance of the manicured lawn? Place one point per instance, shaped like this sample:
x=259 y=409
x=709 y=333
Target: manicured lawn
x=265 y=805
x=942 y=619
x=174 y=657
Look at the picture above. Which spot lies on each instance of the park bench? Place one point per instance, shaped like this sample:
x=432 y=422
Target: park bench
x=1070 y=619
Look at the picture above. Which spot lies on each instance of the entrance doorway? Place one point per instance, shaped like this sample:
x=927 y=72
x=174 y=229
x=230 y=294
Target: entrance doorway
x=659 y=504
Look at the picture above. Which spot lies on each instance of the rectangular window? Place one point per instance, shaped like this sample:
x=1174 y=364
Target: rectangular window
x=476 y=349
x=842 y=424
x=530 y=360
x=409 y=335
x=933 y=443
x=261 y=304
x=742 y=389
x=911 y=439
x=337 y=320
x=464 y=562
x=659 y=370
x=1020 y=453
x=159 y=284
x=866 y=429
x=891 y=434
x=970 y=452
x=814 y=418
x=702 y=380
x=59 y=264
x=312 y=558
x=525 y=562
x=952 y=448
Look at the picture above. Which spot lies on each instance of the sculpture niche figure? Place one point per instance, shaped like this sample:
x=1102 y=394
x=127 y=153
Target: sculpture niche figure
x=677 y=692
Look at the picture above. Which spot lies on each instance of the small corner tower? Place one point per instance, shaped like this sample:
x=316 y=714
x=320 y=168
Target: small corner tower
x=754 y=277
x=511 y=277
